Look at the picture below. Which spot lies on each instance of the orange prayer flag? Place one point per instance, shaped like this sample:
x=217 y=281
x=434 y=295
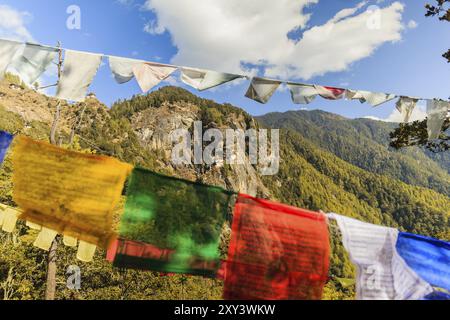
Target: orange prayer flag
x=67 y=191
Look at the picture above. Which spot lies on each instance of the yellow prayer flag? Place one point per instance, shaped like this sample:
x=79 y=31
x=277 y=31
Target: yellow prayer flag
x=70 y=192
x=70 y=241
x=33 y=226
x=45 y=238
x=85 y=251
x=8 y=218
x=2 y=214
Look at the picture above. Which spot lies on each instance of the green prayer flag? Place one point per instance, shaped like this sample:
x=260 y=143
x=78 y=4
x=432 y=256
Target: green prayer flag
x=171 y=225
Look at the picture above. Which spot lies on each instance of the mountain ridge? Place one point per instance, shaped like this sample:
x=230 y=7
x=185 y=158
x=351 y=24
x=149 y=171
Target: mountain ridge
x=365 y=143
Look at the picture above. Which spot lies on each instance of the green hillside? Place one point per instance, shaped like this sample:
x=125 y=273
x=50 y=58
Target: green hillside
x=311 y=176
x=365 y=143
x=319 y=180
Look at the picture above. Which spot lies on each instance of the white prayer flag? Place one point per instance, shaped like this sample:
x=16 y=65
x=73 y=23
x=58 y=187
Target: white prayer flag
x=122 y=68
x=373 y=98
x=150 y=74
x=330 y=93
x=302 y=94
x=406 y=105
x=79 y=70
x=356 y=95
x=8 y=51
x=261 y=90
x=382 y=274
x=437 y=111
x=205 y=79
x=33 y=62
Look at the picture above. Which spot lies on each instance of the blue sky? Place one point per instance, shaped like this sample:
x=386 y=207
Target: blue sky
x=303 y=40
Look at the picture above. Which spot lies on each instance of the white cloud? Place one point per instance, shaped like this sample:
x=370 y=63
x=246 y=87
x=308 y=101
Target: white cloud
x=334 y=46
x=222 y=35
x=412 y=24
x=419 y=113
x=344 y=13
x=12 y=24
x=154 y=28
x=125 y=2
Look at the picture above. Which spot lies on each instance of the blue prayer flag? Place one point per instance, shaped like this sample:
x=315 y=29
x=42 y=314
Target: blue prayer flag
x=437 y=295
x=5 y=141
x=428 y=257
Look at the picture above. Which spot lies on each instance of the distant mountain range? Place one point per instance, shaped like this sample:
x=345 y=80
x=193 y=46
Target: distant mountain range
x=365 y=144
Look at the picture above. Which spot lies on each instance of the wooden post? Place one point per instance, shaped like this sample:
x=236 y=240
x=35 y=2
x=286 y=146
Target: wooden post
x=57 y=115
x=50 y=288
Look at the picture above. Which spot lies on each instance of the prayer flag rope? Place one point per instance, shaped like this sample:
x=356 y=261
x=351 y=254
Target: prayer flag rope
x=80 y=68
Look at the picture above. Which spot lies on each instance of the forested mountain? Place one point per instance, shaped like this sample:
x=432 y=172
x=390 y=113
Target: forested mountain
x=319 y=170
x=365 y=143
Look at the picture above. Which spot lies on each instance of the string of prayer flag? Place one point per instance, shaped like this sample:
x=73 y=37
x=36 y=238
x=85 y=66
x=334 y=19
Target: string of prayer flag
x=81 y=67
x=70 y=192
x=171 y=225
x=276 y=252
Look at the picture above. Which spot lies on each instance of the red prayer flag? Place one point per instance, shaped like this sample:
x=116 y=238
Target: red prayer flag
x=111 y=252
x=330 y=93
x=276 y=252
x=222 y=270
x=140 y=254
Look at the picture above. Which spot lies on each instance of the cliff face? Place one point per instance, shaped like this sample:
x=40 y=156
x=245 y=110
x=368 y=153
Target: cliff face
x=153 y=127
x=150 y=128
